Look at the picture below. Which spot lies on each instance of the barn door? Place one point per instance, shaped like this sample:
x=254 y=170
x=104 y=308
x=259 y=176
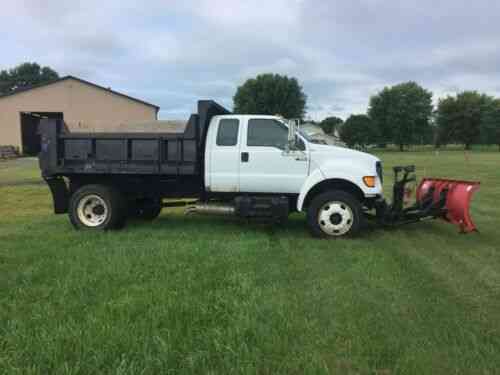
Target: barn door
x=29 y=130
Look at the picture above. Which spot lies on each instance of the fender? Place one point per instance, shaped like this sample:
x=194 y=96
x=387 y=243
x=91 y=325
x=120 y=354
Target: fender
x=350 y=173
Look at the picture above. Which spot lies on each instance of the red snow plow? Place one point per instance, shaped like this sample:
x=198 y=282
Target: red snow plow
x=435 y=198
x=458 y=195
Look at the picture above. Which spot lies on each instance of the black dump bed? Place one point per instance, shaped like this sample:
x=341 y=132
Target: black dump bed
x=65 y=153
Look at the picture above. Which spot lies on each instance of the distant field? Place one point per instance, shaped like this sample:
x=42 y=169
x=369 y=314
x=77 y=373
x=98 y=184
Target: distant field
x=217 y=295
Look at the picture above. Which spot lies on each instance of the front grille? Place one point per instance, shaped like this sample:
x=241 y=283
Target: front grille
x=380 y=172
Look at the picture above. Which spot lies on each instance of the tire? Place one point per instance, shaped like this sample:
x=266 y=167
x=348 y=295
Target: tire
x=334 y=214
x=145 y=209
x=97 y=207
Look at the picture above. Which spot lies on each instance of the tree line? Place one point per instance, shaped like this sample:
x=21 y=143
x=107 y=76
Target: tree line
x=402 y=114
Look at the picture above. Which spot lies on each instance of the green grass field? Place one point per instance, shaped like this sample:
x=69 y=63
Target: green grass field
x=188 y=295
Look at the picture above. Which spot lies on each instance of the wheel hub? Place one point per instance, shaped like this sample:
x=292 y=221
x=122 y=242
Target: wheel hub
x=335 y=218
x=98 y=210
x=92 y=210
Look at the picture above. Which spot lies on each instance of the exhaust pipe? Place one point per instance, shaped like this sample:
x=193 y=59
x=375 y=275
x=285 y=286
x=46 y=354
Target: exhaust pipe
x=210 y=209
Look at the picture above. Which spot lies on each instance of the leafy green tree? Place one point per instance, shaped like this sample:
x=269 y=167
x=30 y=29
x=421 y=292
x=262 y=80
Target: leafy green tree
x=446 y=117
x=271 y=94
x=25 y=75
x=402 y=114
x=359 y=130
x=459 y=118
x=490 y=122
x=378 y=111
x=330 y=124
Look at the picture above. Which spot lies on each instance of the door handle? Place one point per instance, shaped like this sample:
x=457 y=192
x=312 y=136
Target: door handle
x=244 y=157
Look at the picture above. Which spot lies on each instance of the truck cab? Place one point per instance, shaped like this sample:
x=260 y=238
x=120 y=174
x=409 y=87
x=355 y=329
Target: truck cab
x=250 y=154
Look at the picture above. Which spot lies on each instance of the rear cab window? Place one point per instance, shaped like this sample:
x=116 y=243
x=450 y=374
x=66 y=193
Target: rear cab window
x=227 y=133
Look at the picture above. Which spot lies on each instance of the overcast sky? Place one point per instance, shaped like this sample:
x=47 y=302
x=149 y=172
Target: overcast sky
x=172 y=53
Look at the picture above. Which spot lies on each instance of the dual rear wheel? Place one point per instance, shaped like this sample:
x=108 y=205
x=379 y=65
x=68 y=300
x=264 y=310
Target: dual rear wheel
x=103 y=207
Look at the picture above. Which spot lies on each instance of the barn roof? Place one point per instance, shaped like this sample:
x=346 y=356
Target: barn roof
x=28 y=88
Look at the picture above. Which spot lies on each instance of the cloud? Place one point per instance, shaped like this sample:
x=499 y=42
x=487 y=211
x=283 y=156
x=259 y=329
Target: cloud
x=174 y=52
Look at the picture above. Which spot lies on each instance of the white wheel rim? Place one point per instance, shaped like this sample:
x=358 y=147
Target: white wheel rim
x=335 y=218
x=92 y=210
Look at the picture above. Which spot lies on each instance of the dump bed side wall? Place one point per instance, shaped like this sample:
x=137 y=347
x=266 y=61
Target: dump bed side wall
x=119 y=153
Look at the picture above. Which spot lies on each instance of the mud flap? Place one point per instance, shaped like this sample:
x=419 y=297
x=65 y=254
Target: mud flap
x=457 y=196
x=60 y=194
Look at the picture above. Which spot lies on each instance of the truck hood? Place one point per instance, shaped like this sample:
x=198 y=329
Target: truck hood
x=321 y=154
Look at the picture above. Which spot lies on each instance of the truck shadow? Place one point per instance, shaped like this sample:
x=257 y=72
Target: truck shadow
x=209 y=224
x=295 y=226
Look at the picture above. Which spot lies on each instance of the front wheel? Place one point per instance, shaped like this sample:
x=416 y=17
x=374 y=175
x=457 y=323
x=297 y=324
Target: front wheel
x=334 y=214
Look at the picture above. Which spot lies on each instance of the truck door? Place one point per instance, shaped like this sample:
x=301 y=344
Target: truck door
x=265 y=167
x=224 y=160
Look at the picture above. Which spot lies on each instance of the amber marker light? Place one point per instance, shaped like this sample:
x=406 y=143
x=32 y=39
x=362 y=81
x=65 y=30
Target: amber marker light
x=369 y=181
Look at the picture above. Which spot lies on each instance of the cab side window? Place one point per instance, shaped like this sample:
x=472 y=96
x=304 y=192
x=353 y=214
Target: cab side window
x=267 y=133
x=227 y=134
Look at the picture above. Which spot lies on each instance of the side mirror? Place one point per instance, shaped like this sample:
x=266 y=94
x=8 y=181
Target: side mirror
x=292 y=130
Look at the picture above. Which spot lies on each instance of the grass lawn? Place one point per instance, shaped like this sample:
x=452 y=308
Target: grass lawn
x=217 y=295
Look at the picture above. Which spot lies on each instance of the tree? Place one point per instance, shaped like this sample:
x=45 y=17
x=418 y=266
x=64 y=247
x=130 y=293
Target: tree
x=490 y=122
x=330 y=124
x=446 y=117
x=402 y=114
x=271 y=94
x=25 y=75
x=359 y=130
x=459 y=118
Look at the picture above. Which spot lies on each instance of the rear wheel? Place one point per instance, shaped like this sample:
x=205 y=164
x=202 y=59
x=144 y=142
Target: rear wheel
x=334 y=214
x=97 y=207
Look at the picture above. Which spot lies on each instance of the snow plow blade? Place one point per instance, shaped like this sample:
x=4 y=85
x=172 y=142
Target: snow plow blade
x=436 y=198
x=453 y=195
